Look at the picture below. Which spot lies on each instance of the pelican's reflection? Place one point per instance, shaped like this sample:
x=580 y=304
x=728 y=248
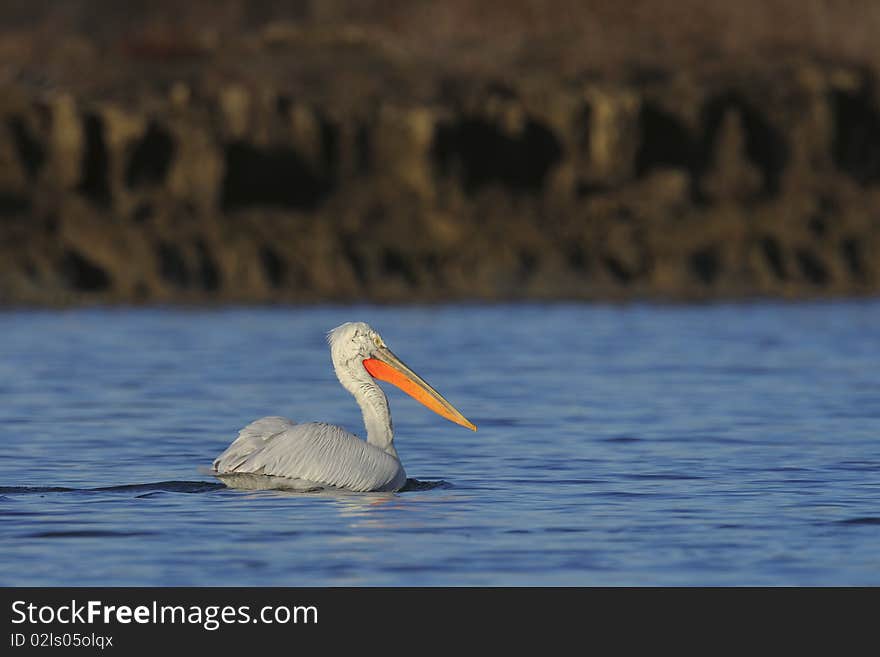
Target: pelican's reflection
x=393 y=510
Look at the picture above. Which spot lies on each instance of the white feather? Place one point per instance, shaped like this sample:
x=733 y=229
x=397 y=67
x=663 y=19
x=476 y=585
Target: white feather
x=312 y=455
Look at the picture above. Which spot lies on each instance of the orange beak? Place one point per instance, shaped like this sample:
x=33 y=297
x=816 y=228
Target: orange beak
x=385 y=366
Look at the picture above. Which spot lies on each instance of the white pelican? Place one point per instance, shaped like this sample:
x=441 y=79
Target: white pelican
x=274 y=452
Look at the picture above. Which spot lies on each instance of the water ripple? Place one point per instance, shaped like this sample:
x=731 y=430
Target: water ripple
x=166 y=486
x=415 y=484
x=84 y=533
x=866 y=520
x=152 y=489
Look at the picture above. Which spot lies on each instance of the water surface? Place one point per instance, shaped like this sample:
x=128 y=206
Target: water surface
x=723 y=444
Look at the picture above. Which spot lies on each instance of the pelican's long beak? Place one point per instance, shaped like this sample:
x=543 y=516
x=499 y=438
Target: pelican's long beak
x=385 y=366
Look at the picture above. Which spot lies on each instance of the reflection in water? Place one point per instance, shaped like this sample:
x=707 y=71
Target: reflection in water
x=374 y=510
x=371 y=516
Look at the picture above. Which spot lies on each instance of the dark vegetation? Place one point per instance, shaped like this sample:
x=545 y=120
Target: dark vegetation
x=248 y=150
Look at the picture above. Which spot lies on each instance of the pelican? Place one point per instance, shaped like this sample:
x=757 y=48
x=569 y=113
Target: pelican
x=274 y=452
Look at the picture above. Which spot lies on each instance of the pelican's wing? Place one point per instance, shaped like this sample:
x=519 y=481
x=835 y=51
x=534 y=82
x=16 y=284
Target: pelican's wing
x=317 y=453
x=250 y=439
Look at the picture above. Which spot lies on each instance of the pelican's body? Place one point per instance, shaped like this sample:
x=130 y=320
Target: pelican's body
x=274 y=452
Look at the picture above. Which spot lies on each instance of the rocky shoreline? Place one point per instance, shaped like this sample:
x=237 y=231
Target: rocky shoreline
x=723 y=182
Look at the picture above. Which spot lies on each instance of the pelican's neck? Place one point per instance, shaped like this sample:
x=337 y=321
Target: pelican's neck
x=373 y=403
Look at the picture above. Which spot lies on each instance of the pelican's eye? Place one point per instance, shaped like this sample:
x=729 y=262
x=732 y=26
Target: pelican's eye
x=378 y=341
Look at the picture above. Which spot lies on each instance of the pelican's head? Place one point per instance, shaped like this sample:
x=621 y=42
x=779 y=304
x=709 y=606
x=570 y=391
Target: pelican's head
x=356 y=345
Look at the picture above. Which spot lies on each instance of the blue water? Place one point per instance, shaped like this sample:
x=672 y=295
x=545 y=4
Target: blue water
x=720 y=444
